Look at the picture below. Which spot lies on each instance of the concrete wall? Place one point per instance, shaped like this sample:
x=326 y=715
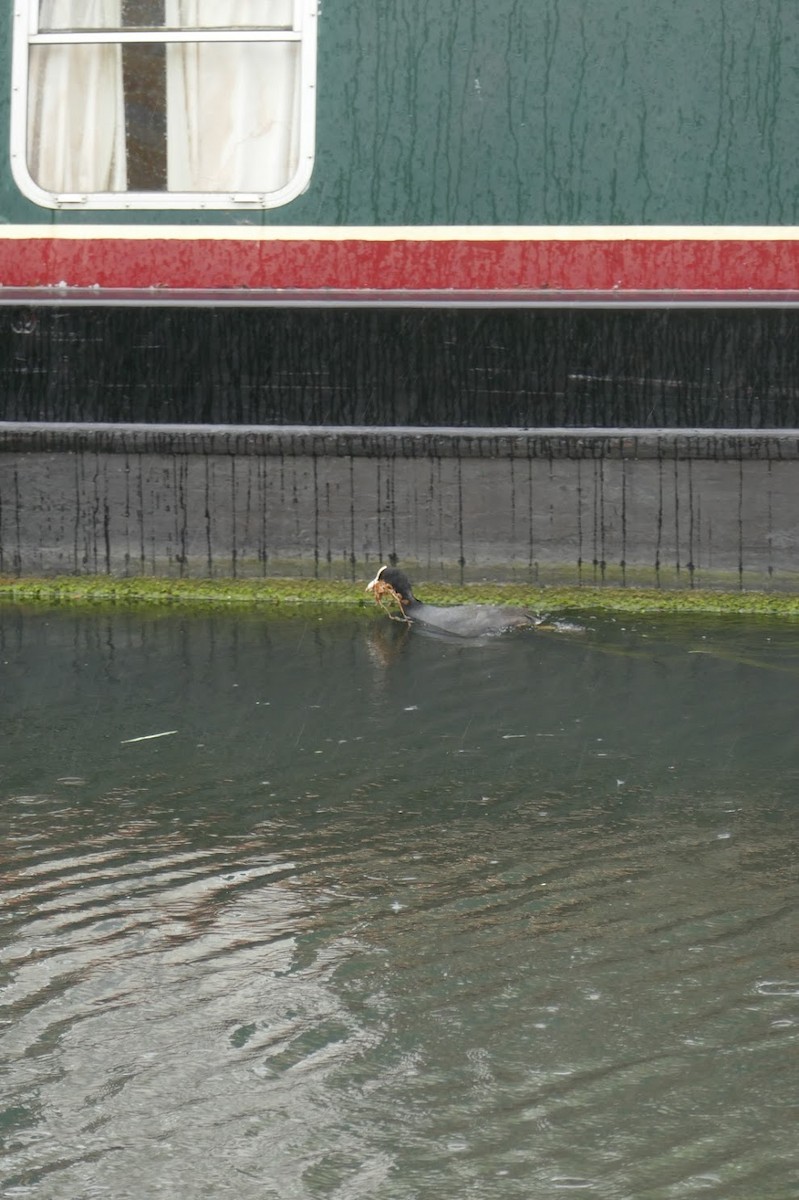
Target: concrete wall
x=657 y=508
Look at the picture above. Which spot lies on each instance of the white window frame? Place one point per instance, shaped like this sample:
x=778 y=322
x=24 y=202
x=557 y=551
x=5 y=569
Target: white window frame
x=27 y=34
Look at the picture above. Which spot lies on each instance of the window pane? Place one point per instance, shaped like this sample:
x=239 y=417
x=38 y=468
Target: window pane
x=76 y=119
x=62 y=15
x=229 y=14
x=58 y=15
x=232 y=116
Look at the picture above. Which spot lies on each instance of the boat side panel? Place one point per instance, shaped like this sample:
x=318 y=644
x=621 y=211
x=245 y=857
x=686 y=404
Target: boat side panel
x=550 y=112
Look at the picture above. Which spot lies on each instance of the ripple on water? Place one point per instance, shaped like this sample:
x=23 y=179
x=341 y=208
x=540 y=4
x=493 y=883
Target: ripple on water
x=781 y=987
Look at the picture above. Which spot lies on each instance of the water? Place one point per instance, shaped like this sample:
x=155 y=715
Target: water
x=381 y=915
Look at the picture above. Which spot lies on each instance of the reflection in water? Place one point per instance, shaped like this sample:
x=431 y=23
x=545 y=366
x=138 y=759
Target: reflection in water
x=391 y=916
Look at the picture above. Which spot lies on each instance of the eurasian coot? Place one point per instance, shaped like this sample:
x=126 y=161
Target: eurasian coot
x=462 y=620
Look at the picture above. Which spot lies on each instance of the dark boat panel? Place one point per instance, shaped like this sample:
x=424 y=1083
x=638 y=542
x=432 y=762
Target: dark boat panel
x=525 y=368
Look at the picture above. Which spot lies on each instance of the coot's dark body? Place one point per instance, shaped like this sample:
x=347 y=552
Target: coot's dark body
x=462 y=620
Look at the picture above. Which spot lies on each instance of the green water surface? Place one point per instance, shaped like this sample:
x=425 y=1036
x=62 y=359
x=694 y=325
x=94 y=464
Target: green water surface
x=379 y=915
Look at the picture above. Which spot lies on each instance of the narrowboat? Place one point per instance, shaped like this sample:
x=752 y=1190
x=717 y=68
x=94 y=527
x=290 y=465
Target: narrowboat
x=476 y=214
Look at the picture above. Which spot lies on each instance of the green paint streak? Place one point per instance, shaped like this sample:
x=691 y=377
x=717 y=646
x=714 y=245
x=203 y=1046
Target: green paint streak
x=336 y=596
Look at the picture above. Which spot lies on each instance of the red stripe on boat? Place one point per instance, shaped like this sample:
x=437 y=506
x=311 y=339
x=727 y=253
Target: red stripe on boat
x=415 y=265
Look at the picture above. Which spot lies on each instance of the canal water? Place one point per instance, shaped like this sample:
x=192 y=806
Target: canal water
x=379 y=915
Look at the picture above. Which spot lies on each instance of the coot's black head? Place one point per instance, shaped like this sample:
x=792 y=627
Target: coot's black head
x=396 y=579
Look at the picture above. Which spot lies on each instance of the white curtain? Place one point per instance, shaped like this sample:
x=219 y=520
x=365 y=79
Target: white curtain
x=76 y=116
x=232 y=108
x=231 y=14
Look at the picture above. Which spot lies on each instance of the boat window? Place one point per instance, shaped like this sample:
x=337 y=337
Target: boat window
x=163 y=103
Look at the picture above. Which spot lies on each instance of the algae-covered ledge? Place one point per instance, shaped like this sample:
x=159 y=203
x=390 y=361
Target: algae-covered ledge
x=331 y=597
